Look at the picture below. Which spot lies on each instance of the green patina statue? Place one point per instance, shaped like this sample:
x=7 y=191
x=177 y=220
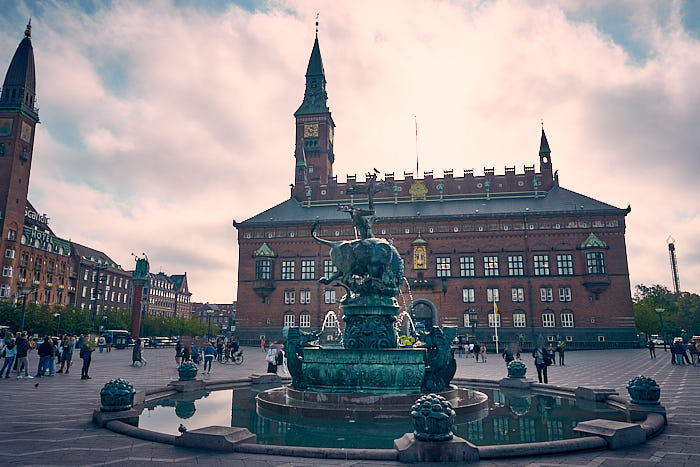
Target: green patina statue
x=187 y=371
x=516 y=369
x=117 y=395
x=440 y=362
x=433 y=417
x=141 y=271
x=644 y=391
x=295 y=341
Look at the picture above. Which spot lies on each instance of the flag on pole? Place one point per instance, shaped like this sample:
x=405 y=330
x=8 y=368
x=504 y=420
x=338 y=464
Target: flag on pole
x=495 y=308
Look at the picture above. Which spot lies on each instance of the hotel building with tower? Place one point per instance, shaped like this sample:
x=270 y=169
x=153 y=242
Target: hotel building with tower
x=551 y=261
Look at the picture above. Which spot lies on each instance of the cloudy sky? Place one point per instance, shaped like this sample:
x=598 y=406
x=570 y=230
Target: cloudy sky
x=164 y=120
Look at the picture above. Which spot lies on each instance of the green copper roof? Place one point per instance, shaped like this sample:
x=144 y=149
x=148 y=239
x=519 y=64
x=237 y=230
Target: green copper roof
x=592 y=242
x=419 y=241
x=544 y=145
x=265 y=251
x=315 y=96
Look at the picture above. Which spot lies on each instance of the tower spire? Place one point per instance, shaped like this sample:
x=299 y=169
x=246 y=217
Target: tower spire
x=315 y=96
x=544 y=145
x=18 y=89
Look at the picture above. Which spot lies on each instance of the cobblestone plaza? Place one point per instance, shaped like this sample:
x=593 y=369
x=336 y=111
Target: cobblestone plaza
x=48 y=421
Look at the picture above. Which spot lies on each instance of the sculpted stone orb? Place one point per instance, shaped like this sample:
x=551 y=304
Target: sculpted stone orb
x=644 y=391
x=187 y=371
x=117 y=395
x=433 y=418
x=516 y=369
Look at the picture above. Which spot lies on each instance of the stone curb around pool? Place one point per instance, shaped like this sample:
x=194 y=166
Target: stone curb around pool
x=652 y=425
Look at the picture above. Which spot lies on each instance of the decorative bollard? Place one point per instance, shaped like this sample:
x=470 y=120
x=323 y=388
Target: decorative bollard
x=644 y=391
x=187 y=371
x=117 y=395
x=432 y=418
x=516 y=369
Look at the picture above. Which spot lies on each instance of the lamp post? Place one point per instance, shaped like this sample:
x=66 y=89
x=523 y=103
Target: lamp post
x=210 y=312
x=58 y=329
x=24 y=291
x=661 y=326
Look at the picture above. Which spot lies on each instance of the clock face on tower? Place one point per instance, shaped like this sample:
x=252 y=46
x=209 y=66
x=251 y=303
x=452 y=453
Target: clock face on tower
x=311 y=130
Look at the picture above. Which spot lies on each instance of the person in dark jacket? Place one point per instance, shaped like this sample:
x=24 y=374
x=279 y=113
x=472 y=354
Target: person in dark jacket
x=652 y=349
x=543 y=359
x=86 y=355
x=45 y=354
x=23 y=347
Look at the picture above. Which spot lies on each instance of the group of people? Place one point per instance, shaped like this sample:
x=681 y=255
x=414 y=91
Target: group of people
x=470 y=349
x=681 y=354
x=275 y=358
x=52 y=350
x=223 y=350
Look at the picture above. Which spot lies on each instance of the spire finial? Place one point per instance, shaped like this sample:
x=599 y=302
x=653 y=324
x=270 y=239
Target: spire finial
x=316 y=25
x=28 y=31
x=542 y=123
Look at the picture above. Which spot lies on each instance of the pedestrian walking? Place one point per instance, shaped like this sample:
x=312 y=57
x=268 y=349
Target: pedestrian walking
x=178 y=354
x=652 y=349
x=136 y=353
x=508 y=355
x=108 y=341
x=482 y=351
x=271 y=359
x=67 y=355
x=542 y=361
x=262 y=343
x=101 y=343
x=45 y=352
x=561 y=346
x=209 y=353
x=477 y=351
x=21 y=358
x=9 y=351
x=86 y=355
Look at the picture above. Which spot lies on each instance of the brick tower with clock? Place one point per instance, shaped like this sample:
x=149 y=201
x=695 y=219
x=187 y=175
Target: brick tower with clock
x=313 y=152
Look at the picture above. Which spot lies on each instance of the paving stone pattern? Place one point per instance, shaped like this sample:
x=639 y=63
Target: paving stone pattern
x=47 y=421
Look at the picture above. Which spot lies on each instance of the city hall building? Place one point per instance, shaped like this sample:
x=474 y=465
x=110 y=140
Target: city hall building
x=551 y=261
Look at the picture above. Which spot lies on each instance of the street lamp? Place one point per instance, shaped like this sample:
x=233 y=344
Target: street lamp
x=210 y=312
x=661 y=326
x=24 y=291
x=58 y=330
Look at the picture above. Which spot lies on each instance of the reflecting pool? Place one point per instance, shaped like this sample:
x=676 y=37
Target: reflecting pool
x=513 y=416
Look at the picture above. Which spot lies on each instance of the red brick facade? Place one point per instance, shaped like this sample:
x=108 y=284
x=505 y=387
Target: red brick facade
x=562 y=265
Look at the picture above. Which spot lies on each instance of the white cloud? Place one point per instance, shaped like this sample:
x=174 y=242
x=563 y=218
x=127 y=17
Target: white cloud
x=202 y=129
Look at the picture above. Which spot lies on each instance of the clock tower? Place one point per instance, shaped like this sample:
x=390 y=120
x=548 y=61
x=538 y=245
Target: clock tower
x=18 y=119
x=314 y=130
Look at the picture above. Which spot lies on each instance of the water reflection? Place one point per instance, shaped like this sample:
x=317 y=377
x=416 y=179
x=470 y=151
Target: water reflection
x=513 y=416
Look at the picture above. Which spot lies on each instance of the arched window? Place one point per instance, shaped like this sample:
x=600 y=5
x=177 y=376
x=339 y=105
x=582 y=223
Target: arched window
x=548 y=319
x=567 y=319
x=331 y=321
x=519 y=319
x=305 y=319
x=289 y=319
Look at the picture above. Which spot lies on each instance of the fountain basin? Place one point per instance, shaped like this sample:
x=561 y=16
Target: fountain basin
x=288 y=402
x=364 y=371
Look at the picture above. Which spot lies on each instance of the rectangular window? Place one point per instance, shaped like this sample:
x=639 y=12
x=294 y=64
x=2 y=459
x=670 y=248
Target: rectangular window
x=490 y=266
x=546 y=294
x=289 y=297
x=10 y=253
x=564 y=294
x=329 y=268
x=305 y=296
x=565 y=265
x=515 y=265
x=492 y=294
x=112 y=295
x=4 y=290
x=288 y=270
x=468 y=295
x=263 y=269
x=119 y=297
x=85 y=275
x=467 y=320
x=308 y=269
x=12 y=235
x=7 y=271
x=519 y=320
x=305 y=320
x=518 y=294
x=548 y=320
x=84 y=291
x=466 y=266
x=120 y=282
x=288 y=320
x=443 y=266
x=494 y=320
x=595 y=262
x=567 y=320
x=329 y=296
x=541 y=263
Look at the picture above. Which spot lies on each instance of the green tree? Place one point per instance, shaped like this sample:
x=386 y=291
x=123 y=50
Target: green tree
x=681 y=311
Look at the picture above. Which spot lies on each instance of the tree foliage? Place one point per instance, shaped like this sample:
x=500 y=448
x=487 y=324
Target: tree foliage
x=681 y=311
x=43 y=319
